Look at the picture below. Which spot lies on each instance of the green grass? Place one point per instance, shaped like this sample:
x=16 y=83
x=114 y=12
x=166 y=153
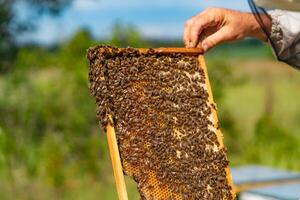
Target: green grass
x=266 y=111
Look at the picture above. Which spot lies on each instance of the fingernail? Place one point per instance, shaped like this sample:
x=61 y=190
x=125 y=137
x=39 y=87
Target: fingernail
x=205 y=47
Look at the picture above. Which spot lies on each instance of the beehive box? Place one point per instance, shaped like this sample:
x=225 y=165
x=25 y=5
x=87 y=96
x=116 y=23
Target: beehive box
x=159 y=105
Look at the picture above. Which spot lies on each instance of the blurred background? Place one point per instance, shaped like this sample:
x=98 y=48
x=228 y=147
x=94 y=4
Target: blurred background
x=50 y=144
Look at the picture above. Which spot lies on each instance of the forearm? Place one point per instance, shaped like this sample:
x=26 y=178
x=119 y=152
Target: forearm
x=255 y=28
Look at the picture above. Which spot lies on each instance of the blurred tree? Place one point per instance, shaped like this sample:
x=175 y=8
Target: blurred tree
x=78 y=44
x=272 y=143
x=126 y=35
x=7 y=48
x=10 y=26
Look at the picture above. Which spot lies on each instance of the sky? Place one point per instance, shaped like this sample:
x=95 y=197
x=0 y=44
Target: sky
x=153 y=18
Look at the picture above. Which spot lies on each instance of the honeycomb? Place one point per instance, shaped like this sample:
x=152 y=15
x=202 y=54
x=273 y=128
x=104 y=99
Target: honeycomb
x=165 y=122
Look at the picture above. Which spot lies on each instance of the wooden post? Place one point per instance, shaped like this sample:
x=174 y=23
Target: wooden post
x=215 y=119
x=116 y=162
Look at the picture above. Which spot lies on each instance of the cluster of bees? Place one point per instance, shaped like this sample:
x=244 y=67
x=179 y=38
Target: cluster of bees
x=163 y=120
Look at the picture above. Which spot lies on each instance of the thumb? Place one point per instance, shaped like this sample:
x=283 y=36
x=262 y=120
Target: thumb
x=218 y=37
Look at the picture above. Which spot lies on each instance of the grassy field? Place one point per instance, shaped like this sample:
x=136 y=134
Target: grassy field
x=269 y=95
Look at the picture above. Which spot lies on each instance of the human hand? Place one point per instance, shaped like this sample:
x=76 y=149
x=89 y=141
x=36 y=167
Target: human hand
x=216 y=25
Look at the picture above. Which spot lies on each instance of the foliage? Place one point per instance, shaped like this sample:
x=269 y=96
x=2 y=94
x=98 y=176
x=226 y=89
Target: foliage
x=11 y=25
x=272 y=144
x=126 y=35
x=7 y=48
x=48 y=128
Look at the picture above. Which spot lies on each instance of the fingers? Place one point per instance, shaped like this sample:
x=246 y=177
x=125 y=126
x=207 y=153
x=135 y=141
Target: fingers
x=222 y=35
x=187 y=27
x=219 y=25
x=197 y=24
x=193 y=28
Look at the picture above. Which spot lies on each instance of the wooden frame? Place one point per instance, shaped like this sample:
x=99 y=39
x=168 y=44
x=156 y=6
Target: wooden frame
x=111 y=135
x=116 y=162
